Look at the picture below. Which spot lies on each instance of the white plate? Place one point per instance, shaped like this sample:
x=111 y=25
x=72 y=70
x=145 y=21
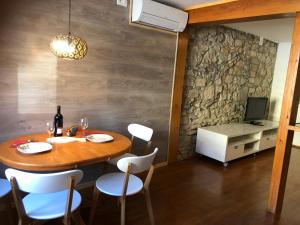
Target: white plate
x=65 y=139
x=99 y=138
x=34 y=147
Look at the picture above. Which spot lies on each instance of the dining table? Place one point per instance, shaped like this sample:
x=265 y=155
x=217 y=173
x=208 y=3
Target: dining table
x=63 y=156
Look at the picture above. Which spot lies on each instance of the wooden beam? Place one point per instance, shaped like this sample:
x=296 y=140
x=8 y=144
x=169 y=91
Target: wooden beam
x=294 y=128
x=288 y=117
x=178 y=82
x=243 y=10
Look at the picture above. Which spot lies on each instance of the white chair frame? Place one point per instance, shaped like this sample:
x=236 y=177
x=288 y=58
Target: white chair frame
x=137 y=131
x=142 y=132
x=67 y=179
x=131 y=165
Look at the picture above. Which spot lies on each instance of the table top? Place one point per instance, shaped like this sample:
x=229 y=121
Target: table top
x=238 y=129
x=63 y=156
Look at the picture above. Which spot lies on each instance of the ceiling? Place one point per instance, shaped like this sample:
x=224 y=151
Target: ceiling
x=278 y=30
x=185 y=4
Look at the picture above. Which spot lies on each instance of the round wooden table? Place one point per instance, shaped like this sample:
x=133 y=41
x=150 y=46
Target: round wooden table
x=63 y=156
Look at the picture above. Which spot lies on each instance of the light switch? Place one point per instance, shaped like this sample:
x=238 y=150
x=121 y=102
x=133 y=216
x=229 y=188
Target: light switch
x=122 y=3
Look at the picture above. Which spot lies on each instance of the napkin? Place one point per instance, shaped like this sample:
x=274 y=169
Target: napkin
x=16 y=143
x=65 y=139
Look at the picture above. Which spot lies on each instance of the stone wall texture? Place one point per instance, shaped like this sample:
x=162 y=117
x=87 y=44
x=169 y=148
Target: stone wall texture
x=224 y=67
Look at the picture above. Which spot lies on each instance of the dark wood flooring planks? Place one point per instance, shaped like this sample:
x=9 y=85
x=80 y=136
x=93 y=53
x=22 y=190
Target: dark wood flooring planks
x=200 y=191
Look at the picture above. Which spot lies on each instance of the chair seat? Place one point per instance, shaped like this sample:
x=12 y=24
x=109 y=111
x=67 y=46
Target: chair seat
x=50 y=205
x=112 y=184
x=114 y=161
x=4 y=187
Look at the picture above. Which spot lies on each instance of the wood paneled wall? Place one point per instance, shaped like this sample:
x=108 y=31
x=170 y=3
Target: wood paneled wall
x=125 y=78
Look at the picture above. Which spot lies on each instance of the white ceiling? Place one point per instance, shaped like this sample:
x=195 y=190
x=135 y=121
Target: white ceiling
x=278 y=30
x=185 y=4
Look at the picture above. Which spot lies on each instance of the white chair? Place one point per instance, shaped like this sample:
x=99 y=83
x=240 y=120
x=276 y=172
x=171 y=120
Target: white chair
x=50 y=195
x=137 y=131
x=124 y=183
x=4 y=194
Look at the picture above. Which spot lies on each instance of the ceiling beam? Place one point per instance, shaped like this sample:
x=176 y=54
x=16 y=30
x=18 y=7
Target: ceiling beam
x=243 y=10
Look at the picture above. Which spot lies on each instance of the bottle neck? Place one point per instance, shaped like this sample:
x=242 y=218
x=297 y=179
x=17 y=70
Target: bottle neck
x=58 y=109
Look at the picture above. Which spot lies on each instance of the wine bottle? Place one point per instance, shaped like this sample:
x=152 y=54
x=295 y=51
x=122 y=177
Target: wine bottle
x=58 y=123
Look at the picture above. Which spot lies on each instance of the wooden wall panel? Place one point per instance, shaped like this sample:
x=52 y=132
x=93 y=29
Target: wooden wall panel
x=126 y=76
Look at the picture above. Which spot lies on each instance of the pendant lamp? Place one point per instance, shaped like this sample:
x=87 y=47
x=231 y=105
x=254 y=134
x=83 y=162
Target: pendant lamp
x=67 y=46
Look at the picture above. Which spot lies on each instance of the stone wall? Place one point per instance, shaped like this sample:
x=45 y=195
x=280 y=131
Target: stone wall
x=224 y=67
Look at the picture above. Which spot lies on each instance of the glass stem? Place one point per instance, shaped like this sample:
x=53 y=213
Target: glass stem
x=69 y=17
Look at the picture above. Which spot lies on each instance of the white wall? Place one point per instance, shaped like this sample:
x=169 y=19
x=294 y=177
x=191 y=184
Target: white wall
x=280 y=71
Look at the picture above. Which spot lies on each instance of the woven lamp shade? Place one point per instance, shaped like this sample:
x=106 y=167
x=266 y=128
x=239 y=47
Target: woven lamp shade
x=68 y=47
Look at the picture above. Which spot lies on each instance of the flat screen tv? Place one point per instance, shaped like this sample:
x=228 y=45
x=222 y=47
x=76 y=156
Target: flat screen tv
x=256 y=109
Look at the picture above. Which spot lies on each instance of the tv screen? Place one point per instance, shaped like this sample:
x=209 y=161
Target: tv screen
x=256 y=108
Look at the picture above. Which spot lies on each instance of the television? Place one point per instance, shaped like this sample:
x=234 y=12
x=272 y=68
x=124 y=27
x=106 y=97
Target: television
x=256 y=110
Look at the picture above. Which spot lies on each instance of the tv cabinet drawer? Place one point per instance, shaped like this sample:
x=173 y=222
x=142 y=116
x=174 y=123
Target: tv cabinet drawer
x=267 y=141
x=234 y=151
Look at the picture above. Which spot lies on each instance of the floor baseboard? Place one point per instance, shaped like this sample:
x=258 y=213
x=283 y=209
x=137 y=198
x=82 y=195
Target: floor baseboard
x=162 y=164
x=296 y=146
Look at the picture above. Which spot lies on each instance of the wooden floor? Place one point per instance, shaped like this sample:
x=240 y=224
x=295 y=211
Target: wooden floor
x=200 y=191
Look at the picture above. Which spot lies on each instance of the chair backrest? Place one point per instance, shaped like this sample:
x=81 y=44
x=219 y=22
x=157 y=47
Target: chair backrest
x=43 y=183
x=140 y=131
x=138 y=164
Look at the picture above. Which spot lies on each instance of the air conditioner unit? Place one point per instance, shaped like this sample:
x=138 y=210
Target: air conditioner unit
x=158 y=15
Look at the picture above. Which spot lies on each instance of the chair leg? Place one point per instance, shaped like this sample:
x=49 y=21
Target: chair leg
x=24 y=222
x=96 y=195
x=123 y=201
x=118 y=202
x=149 y=206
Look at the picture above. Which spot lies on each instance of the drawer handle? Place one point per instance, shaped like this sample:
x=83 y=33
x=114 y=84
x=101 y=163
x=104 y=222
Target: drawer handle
x=236 y=147
x=268 y=139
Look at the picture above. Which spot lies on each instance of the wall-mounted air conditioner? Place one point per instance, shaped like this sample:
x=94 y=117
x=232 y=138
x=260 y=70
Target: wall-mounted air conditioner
x=158 y=15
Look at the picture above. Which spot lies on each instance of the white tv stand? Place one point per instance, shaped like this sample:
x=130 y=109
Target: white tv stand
x=231 y=141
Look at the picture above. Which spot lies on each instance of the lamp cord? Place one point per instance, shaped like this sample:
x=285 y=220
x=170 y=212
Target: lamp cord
x=69 y=17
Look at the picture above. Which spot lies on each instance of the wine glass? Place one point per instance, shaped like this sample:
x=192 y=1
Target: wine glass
x=84 y=124
x=50 y=128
